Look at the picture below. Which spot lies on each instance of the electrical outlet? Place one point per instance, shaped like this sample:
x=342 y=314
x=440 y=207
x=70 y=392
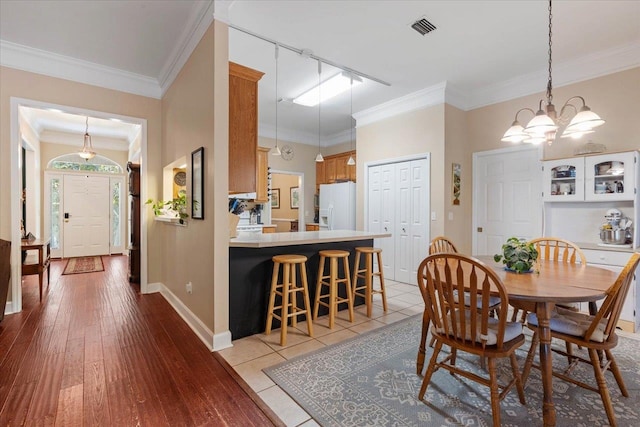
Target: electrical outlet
x=189 y=288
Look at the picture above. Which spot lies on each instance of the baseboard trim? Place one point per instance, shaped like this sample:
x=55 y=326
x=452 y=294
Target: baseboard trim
x=214 y=342
x=8 y=309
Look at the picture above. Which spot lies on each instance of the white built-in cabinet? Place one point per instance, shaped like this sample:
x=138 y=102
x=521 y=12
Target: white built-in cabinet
x=593 y=185
x=398 y=203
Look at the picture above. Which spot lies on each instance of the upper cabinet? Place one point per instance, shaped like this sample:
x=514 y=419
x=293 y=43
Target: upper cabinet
x=564 y=180
x=606 y=177
x=243 y=128
x=611 y=176
x=262 y=172
x=335 y=169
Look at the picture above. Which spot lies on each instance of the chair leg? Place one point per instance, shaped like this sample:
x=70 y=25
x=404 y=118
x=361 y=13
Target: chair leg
x=423 y=341
x=305 y=294
x=518 y=378
x=602 y=386
x=272 y=297
x=318 y=287
x=495 y=392
x=529 y=362
x=616 y=373
x=430 y=370
x=347 y=276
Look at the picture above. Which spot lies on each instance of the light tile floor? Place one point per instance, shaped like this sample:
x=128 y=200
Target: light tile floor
x=250 y=355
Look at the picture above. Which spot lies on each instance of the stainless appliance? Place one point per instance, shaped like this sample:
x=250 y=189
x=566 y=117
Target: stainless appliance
x=616 y=230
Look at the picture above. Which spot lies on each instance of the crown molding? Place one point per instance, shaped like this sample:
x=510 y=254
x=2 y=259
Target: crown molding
x=433 y=95
x=199 y=21
x=221 y=10
x=52 y=64
x=586 y=67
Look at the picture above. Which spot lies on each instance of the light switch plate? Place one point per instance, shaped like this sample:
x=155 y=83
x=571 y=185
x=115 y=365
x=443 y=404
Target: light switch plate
x=433 y=216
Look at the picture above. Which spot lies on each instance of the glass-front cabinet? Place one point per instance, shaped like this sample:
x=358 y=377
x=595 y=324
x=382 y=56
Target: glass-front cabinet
x=610 y=176
x=563 y=180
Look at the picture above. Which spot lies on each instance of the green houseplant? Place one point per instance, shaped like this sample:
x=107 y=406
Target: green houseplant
x=176 y=207
x=518 y=255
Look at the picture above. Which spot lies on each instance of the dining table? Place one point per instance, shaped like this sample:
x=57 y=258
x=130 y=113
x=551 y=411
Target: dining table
x=550 y=282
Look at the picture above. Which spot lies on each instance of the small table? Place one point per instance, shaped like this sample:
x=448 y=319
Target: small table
x=556 y=282
x=43 y=246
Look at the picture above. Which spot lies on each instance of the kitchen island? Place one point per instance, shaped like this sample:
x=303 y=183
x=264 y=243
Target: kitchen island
x=250 y=269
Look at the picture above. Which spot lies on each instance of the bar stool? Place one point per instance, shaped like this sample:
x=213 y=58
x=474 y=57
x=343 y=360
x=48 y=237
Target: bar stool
x=288 y=290
x=332 y=281
x=368 y=274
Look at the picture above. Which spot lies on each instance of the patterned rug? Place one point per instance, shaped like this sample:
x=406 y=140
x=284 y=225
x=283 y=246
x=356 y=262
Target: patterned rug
x=85 y=264
x=370 y=380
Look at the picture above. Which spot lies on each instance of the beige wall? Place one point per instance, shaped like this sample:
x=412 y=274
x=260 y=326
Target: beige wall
x=284 y=183
x=21 y=84
x=614 y=97
x=457 y=223
x=189 y=122
x=417 y=132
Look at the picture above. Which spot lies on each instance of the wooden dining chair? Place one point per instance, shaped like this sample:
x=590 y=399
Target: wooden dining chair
x=446 y=280
x=441 y=244
x=552 y=249
x=596 y=333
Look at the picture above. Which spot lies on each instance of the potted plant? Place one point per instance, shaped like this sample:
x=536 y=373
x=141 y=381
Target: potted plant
x=175 y=208
x=518 y=255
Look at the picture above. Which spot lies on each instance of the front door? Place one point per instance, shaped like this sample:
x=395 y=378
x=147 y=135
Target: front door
x=507 y=198
x=86 y=209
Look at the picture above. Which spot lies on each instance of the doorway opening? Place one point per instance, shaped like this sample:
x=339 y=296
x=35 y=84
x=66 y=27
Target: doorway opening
x=22 y=134
x=286 y=208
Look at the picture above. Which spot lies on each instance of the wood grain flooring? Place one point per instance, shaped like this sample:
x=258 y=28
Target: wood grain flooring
x=96 y=352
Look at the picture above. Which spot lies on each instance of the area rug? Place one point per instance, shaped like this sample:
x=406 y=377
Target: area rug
x=85 y=264
x=370 y=380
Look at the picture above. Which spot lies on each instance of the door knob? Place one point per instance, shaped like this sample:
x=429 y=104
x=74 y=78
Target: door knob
x=404 y=230
x=385 y=229
x=479 y=229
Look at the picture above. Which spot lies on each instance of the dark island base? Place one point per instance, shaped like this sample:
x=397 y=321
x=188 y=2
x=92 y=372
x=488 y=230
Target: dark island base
x=250 y=271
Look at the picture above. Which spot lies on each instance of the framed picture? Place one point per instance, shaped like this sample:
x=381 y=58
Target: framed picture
x=456 y=170
x=295 y=197
x=197 y=184
x=275 y=198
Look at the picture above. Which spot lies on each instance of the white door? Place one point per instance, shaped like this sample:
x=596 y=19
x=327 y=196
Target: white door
x=398 y=203
x=507 y=198
x=86 y=215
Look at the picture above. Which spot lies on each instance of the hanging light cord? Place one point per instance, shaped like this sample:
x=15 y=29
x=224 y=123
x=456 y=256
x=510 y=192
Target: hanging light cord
x=351 y=114
x=277 y=54
x=549 y=83
x=86 y=129
x=319 y=102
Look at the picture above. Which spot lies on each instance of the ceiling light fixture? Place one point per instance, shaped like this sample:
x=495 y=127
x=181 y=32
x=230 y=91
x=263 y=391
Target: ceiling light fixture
x=87 y=152
x=351 y=160
x=276 y=150
x=331 y=87
x=319 y=157
x=545 y=123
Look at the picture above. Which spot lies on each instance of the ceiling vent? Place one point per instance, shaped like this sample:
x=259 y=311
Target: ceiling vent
x=423 y=26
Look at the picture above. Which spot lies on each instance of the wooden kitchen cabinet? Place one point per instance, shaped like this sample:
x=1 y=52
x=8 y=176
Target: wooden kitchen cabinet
x=312 y=227
x=243 y=128
x=335 y=169
x=261 y=175
x=330 y=163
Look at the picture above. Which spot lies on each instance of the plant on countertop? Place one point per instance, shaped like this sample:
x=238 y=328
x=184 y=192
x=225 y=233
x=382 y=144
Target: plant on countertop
x=517 y=255
x=176 y=207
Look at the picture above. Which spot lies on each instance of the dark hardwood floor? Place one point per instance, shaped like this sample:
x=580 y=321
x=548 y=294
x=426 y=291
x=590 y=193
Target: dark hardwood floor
x=96 y=352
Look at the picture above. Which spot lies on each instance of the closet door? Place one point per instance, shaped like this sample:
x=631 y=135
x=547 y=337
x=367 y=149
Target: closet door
x=398 y=203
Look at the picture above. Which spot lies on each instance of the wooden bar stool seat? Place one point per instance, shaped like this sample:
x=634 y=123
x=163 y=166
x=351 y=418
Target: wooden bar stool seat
x=332 y=281
x=288 y=291
x=367 y=274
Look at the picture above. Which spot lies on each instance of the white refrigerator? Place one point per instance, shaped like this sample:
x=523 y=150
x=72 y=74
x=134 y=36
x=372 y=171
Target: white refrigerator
x=337 y=206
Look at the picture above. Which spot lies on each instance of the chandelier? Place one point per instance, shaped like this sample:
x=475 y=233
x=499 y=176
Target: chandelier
x=545 y=123
x=87 y=152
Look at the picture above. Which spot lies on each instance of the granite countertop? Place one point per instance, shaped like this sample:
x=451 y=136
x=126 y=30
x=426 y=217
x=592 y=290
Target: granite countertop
x=257 y=240
x=614 y=248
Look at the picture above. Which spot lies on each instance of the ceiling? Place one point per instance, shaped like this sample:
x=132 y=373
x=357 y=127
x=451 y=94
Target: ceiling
x=485 y=51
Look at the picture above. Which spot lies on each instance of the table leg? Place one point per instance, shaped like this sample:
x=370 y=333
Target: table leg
x=40 y=274
x=543 y=312
x=423 y=342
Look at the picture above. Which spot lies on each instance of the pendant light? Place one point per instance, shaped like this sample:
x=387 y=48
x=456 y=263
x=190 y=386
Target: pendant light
x=87 y=152
x=351 y=160
x=545 y=123
x=319 y=157
x=276 y=149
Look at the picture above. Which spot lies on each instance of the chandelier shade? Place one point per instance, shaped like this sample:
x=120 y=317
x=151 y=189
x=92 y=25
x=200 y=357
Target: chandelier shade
x=546 y=122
